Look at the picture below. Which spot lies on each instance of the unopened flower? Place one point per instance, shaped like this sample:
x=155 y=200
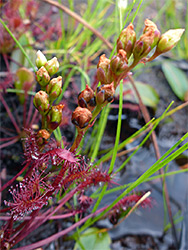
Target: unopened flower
x=52 y=66
x=44 y=134
x=168 y=40
x=54 y=88
x=126 y=40
x=119 y=63
x=54 y=117
x=86 y=98
x=41 y=102
x=42 y=76
x=81 y=117
x=41 y=59
x=104 y=73
x=105 y=93
x=147 y=41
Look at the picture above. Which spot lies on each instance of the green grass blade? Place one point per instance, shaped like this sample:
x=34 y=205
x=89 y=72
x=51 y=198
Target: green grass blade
x=18 y=44
x=115 y=149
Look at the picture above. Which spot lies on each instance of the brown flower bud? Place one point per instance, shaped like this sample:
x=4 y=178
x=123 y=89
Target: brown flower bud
x=119 y=63
x=81 y=117
x=86 y=98
x=42 y=136
x=147 y=41
x=104 y=73
x=126 y=40
x=43 y=133
x=105 y=93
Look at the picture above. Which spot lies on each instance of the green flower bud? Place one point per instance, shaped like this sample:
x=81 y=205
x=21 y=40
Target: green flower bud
x=42 y=77
x=41 y=59
x=168 y=40
x=54 y=88
x=119 y=63
x=54 y=117
x=126 y=40
x=104 y=73
x=41 y=102
x=52 y=66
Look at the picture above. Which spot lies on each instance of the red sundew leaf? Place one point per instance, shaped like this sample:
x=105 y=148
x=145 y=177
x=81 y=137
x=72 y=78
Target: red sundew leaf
x=66 y=155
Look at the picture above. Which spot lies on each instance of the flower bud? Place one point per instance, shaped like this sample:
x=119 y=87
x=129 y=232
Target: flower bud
x=151 y=27
x=52 y=66
x=127 y=39
x=86 y=98
x=43 y=133
x=54 y=88
x=119 y=63
x=54 y=117
x=147 y=41
x=168 y=40
x=42 y=76
x=41 y=59
x=105 y=93
x=104 y=73
x=41 y=102
x=42 y=136
x=81 y=117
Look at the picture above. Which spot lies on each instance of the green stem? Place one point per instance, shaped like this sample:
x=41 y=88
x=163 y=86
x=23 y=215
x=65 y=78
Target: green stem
x=18 y=43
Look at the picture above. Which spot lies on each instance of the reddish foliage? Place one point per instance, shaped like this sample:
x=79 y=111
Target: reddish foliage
x=29 y=195
x=125 y=204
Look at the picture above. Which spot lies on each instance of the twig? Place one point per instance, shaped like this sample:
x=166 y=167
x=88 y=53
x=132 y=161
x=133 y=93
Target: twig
x=157 y=153
x=80 y=20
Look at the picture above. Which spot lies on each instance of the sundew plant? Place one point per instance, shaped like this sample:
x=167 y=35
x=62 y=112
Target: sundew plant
x=56 y=180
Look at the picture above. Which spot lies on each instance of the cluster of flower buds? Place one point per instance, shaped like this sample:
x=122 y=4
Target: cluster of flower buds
x=113 y=70
x=50 y=91
x=88 y=100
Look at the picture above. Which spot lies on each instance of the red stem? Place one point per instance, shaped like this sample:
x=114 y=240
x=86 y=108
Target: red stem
x=14 y=178
x=24 y=110
x=10 y=115
x=6 y=62
x=34 y=116
x=29 y=114
x=4 y=145
x=59 y=234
